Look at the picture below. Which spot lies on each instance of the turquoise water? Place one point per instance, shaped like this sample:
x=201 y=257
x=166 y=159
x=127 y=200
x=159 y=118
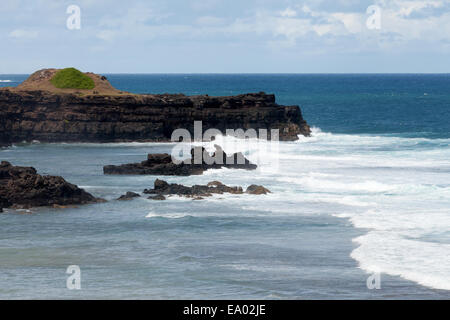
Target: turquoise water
x=368 y=192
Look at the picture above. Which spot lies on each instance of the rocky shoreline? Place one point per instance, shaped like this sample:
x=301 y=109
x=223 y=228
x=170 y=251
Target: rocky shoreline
x=24 y=188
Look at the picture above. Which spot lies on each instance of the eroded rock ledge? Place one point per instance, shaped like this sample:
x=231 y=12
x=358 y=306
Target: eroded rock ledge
x=22 y=187
x=163 y=188
x=162 y=164
x=34 y=111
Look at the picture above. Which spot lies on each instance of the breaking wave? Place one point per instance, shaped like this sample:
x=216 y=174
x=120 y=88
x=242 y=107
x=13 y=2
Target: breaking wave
x=398 y=189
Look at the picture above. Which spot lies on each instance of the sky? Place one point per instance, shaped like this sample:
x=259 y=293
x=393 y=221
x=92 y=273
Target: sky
x=227 y=36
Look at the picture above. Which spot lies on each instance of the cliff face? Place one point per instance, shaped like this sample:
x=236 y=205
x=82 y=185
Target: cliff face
x=46 y=116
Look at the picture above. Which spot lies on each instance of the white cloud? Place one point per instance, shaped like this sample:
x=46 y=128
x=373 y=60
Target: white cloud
x=322 y=23
x=353 y=22
x=398 y=23
x=397 y=18
x=270 y=28
x=406 y=8
x=288 y=12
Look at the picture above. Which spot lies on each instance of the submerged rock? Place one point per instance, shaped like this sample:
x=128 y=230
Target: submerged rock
x=22 y=187
x=128 y=196
x=255 y=189
x=157 y=197
x=162 y=164
x=197 y=192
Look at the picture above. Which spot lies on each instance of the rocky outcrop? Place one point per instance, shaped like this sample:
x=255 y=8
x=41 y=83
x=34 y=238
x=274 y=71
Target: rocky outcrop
x=255 y=189
x=162 y=164
x=157 y=197
x=128 y=196
x=22 y=187
x=34 y=112
x=162 y=188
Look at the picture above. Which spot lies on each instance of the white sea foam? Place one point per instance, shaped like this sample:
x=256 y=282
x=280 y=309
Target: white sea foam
x=426 y=263
x=411 y=209
x=335 y=185
x=167 y=215
x=396 y=188
x=6 y=81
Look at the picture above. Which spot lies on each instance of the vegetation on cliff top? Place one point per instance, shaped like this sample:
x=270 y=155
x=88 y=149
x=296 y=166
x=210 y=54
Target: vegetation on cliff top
x=71 y=78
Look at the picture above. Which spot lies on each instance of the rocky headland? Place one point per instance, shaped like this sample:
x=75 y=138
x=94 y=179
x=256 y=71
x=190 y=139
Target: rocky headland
x=37 y=110
x=23 y=187
x=162 y=164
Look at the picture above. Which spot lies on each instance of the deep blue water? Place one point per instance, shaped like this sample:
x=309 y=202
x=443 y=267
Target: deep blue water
x=409 y=105
x=368 y=192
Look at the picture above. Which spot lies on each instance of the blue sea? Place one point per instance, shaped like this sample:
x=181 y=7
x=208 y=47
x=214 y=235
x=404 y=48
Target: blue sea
x=366 y=196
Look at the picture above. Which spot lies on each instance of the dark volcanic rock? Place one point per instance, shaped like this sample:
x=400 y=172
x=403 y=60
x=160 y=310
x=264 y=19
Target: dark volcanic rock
x=23 y=187
x=254 y=189
x=157 y=197
x=33 y=112
x=197 y=191
x=162 y=164
x=128 y=196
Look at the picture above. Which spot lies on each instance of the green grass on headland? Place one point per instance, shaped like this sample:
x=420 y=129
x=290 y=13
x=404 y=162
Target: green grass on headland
x=71 y=78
